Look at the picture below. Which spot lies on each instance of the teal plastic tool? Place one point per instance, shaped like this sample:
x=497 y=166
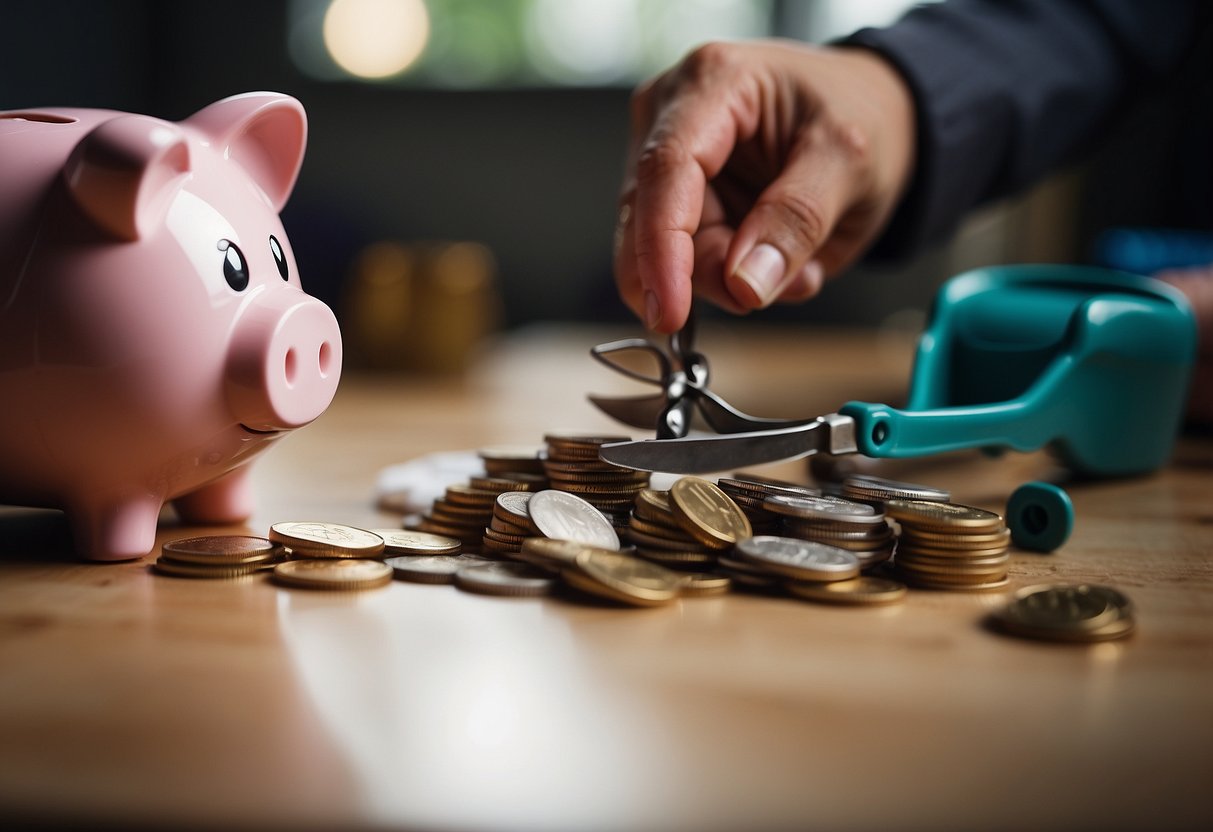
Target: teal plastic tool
x=1090 y=362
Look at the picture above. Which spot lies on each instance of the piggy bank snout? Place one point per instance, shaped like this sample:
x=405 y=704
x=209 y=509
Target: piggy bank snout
x=284 y=361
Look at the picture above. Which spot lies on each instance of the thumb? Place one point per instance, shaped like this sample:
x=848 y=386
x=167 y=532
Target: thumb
x=791 y=220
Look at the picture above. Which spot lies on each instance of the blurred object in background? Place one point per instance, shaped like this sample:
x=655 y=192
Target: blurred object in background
x=420 y=307
x=1151 y=250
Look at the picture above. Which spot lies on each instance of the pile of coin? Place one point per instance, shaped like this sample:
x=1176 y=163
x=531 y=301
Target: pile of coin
x=688 y=526
x=749 y=491
x=1059 y=612
x=834 y=521
x=809 y=570
x=225 y=556
x=572 y=465
x=876 y=491
x=509 y=525
x=466 y=510
x=950 y=546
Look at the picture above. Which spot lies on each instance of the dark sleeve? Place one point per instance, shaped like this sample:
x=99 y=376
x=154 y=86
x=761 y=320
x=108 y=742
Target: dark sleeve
x=1007 y=90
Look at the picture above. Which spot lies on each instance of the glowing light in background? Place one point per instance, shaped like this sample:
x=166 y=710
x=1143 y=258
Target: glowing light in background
x=376 y=38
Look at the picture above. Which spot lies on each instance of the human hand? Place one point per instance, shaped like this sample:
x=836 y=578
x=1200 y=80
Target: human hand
x=756 y=170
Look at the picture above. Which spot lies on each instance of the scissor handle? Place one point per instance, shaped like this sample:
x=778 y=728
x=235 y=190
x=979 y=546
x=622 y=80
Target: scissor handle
x=1092 y=362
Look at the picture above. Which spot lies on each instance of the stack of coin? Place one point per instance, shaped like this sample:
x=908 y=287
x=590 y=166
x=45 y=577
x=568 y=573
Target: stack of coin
x=748 y=492
x=317 y=540
x=466 y=510
x=507 y=460
x=510 y=524
x=572 y=464
x=838 y=522
x=217 y=556
x=1057 y=612
x=876 y=491
x=658 y=536
x=950 y=546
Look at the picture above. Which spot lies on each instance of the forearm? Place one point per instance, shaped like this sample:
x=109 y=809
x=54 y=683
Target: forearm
x=1007 y=90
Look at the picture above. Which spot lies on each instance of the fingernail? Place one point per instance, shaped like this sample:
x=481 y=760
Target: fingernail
x=762 y=270
x=652 y=311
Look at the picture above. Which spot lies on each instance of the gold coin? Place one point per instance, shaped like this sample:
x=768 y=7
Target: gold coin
x=862 y=590
x=704 y=584
x=678 y=560
x=331 y=539
x=653 y=500
x=906 y=549
x=707 y=513
x=943 y=516
x=1064 y=611
x=625 y=578
x=497 y=485
x=956 y=538
x=550 y=554
x=334 y=574
x=936 y=582
x=662 y=530
x=405 y=542
x=221 y=549
x=648 y=541
x=195 y=570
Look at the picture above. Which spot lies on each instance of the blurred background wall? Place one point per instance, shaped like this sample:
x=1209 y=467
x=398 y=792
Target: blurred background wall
x=507 y=130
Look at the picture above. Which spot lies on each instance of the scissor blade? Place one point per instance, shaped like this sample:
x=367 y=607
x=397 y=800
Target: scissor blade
x=701 y=455
x=636 y=411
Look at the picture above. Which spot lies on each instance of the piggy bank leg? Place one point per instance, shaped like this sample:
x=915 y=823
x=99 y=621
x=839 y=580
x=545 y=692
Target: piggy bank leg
x=228 y=499
x=116 y=531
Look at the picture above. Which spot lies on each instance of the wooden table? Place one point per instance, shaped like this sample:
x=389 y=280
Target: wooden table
x=139 y=700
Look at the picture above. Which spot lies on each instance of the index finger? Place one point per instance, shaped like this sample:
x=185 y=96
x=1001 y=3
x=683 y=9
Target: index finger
x=692 y=137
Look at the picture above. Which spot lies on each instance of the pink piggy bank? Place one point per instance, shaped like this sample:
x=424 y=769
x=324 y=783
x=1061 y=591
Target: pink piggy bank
x=154 y=337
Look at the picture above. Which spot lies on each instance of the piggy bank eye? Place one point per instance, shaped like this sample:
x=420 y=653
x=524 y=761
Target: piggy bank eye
x=235 y=267
x=279 y=257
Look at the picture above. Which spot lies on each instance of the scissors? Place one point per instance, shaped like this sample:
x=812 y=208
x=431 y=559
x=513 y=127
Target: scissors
x=1089 y=362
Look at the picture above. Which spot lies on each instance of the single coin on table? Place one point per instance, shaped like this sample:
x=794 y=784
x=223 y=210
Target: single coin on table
x=336 y=574
x=432 y=569
x=334 y=540
x=562 y=516
x=864 y=590
x=1068 y=612
x=406 y=542
x=221 y=549
x=510 y=578
x=707 y=513
x=800 y=559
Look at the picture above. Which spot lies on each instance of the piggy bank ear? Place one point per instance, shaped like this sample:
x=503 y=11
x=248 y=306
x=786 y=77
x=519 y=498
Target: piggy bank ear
x=125 y=172
x=265 y=132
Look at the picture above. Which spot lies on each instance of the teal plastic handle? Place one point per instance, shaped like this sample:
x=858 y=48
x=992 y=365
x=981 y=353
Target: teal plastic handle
x=1092 y=363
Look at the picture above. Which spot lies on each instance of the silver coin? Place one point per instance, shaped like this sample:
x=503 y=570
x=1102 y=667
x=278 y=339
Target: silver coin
x=562 y=516
x=868 y=487
x=802 y=559
x=515 y=503
x=826 y=508
x=432 y=569
x=505 y=578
